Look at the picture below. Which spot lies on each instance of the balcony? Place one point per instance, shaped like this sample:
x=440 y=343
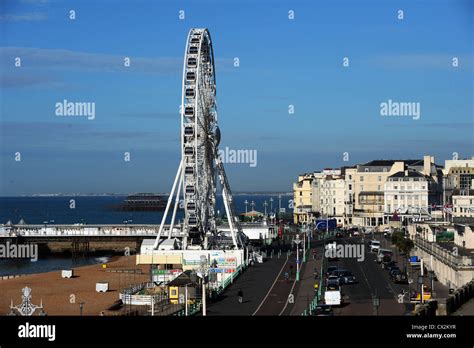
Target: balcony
x=303 y=209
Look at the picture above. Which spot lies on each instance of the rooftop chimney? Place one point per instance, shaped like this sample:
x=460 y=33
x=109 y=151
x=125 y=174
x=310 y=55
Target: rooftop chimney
x=427 y=164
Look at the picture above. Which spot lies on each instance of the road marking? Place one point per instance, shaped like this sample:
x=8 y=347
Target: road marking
x=366 y=280
x=286 y=302
x=271 y=288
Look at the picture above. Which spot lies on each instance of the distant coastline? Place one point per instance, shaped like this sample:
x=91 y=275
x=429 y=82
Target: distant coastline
x=237 y=193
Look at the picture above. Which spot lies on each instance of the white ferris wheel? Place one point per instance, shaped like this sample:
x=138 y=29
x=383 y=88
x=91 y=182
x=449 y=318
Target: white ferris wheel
x=201 y=171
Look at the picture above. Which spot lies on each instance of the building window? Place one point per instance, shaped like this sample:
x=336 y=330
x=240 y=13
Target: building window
x=395 y=187
x=301 y=193
x=350 y=187
x=380 y=178
x=395 y=197
x=362 y=187
x=378 y=188
x=350 y=177
x=361 y=178
x=366 y=170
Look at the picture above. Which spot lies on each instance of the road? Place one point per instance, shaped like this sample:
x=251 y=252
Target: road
x=264 y=287
x=372 y=281
x=266 y=291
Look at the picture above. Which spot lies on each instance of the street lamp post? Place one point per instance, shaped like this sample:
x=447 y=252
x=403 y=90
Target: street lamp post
x=304 y=244
x=327 y=225
x=279 y=205
x=297 y=241
x=186 y=300
x=203 y=268
x=246 y=203
x=376 y=304
x=265 y=206
x=271 y=204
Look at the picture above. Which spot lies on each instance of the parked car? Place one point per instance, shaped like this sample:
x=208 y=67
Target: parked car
x=323 y=310
x=330 y=270
x=344 y=276
x=401 y=278
x=383 y=252
x=333 y=279
x=393 y=271
x=385 y=261
x=374 y=246
x=353 y=231
x=391 y=265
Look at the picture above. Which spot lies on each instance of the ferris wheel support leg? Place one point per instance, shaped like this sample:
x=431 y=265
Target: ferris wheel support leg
x=170 y=199
x=229 y=217
x=176 y=202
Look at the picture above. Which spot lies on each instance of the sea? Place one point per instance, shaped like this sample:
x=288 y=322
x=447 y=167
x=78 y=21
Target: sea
x=99 y=210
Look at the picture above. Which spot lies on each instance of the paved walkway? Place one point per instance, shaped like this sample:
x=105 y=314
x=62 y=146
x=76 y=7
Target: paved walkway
x=305 y=291
x=466 y=309
x=255 y=283
x=276 y=301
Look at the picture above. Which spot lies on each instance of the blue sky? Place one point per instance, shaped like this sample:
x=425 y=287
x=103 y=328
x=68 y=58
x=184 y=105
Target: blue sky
x=282 y=62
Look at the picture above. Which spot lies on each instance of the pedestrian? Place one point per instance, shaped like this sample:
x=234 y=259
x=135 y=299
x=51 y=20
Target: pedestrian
x=240 y=293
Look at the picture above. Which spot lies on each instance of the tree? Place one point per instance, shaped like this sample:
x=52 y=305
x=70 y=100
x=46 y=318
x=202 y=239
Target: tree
x=406 y=245
x=396 y=238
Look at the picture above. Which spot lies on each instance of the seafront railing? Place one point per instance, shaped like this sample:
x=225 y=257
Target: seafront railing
x=444 y=255
x=85 y=230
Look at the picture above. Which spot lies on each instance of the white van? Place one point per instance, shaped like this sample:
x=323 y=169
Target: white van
x=332 y=295
x=374 y=246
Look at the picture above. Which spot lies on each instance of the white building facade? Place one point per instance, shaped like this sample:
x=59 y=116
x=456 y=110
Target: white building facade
x=404 y=190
